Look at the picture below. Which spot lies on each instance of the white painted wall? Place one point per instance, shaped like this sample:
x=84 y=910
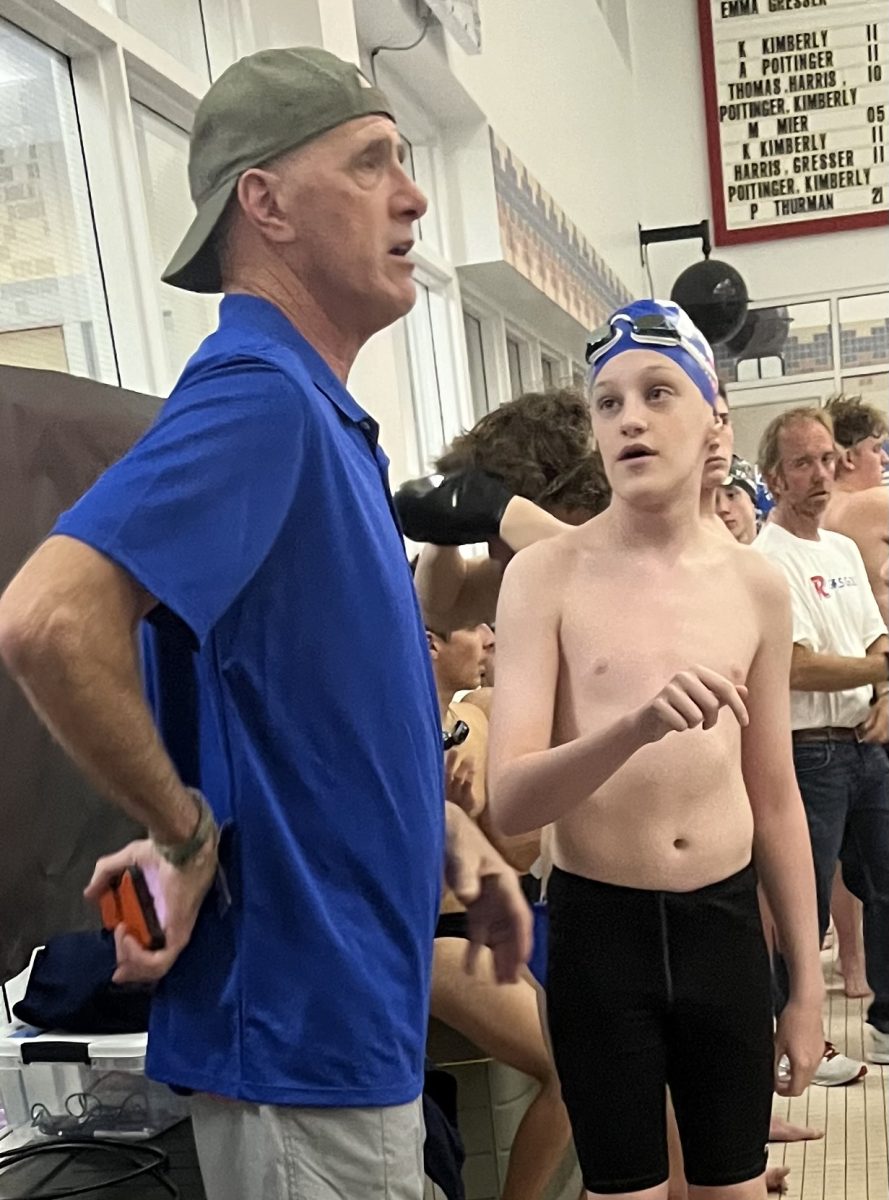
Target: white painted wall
x=672 y=176
x=555 y=87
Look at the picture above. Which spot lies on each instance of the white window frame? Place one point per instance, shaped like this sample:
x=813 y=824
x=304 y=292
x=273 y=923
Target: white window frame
x=110 y=63
x=824 y=379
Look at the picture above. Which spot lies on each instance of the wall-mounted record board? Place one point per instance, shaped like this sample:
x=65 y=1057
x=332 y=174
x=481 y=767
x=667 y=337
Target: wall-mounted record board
x=797 y=97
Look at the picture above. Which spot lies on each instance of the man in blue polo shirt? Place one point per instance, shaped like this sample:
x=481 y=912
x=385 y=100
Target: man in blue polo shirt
x=292 y=736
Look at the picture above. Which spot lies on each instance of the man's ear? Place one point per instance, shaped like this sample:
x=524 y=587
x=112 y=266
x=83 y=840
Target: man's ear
x=845 y=459
x=433 y=643
x=259 y=197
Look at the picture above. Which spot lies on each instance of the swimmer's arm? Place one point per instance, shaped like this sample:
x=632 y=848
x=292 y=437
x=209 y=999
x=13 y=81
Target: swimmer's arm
x=455 y=591
x=520 y=852
x=811 y=672
x=523 y=523
x=780 y=840
x=530 y=783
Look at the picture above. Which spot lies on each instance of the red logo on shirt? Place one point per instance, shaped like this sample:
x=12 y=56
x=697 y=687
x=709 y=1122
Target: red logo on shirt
x=822 y=591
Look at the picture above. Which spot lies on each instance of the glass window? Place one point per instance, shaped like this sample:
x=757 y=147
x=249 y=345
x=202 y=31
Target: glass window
x=52 y=299
x=781 y=341
x=549 y=369
x=177 y=26
x=873 y=389
x=163 y=158
x=514 y=358
x=433 y=378
x=476 y=353
x=864 y=331
x=579 y=378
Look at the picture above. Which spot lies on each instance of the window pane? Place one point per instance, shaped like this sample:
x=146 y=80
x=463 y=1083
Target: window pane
x=796 y=335
x=864 y=330
x=549 y=369
x=51 y=293
x=174 y=25
x=163 y=158
x=433 y=374
x=514 y=357
x=873 y=389
x=425 y=389
x=476 y=354
x=579 y=379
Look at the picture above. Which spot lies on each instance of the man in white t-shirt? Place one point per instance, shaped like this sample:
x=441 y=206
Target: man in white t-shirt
x=839 y=681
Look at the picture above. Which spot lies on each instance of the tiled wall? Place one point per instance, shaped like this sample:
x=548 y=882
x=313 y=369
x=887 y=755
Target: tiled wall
x=809 y=351
x=545 y=246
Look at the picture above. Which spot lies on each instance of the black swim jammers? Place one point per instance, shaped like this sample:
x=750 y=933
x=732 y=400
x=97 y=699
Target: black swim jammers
x=648 y=990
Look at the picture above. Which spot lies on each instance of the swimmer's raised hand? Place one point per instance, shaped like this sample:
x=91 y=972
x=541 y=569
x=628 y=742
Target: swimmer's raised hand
x=692 y=698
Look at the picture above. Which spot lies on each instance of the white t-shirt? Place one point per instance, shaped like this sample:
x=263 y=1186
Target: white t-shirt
x=834 y=612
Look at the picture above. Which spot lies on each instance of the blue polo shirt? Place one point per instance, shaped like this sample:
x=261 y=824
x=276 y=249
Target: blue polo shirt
x=288 y=671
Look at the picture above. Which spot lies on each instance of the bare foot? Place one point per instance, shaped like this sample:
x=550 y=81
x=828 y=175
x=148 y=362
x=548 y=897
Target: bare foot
x=781 y=1130
x=775 y=1179
x=854 y=979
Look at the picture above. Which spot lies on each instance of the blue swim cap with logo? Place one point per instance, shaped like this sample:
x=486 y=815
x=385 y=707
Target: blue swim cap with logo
x=658 y=325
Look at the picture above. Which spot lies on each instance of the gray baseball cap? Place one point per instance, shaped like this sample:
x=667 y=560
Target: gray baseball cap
x=262 y=106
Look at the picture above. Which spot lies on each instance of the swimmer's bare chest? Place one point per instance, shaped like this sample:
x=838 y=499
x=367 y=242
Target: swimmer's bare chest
x=676 y=815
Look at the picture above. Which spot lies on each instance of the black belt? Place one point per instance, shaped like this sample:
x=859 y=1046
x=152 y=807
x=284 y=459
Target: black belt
x=830 y=733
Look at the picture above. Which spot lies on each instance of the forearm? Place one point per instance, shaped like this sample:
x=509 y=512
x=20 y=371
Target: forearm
x=521 y=851
x=810 y=672
x=879 y=650
x=86 y=687
x=439 y=578
x=524 y=523
x=784 y=864
x=538 y=788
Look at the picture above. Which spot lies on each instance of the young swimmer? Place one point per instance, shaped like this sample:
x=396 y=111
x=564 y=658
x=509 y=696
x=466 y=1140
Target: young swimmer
x=736 y=502
x=611 y=639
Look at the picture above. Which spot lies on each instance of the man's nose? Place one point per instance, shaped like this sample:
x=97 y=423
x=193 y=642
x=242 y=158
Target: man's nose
x=413 y=204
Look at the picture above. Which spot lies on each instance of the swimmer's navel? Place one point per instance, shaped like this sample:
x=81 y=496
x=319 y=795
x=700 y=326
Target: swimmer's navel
x=680 y=844
x=600 y=666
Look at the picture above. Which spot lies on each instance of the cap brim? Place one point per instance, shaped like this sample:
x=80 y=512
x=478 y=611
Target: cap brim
x=195 y=265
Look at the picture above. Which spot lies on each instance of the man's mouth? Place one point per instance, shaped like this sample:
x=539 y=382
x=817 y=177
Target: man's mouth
x=402 y=249
x=638 y=450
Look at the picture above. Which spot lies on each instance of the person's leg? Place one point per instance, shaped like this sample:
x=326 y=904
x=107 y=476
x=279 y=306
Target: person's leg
x=721 y=1012
x=503 y=1021
x=823 y=785
x=865 y=856
x=847 y=913
x=606 y=1003
x=266 y=1152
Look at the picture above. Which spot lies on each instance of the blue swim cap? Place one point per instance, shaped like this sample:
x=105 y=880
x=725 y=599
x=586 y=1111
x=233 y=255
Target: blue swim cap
x=657 y=325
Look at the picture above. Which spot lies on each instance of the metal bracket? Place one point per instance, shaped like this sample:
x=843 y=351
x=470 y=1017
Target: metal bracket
x=675 y=233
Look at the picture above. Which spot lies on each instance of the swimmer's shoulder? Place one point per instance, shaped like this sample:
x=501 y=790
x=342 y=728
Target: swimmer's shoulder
x=764 y=582
x=541 y=561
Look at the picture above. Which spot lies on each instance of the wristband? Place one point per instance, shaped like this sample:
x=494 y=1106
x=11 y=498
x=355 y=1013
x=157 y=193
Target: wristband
x=179 y=854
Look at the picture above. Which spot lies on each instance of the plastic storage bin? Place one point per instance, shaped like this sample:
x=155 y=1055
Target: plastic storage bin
x=80 y=1085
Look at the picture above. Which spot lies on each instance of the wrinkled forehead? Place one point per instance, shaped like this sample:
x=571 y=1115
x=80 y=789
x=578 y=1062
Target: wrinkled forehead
x=805 y=437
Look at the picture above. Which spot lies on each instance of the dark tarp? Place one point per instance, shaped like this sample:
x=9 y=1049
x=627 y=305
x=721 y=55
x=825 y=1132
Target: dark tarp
x=57 y=434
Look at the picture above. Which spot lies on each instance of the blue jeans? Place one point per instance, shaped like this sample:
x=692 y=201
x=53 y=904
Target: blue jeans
x=845 y=791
